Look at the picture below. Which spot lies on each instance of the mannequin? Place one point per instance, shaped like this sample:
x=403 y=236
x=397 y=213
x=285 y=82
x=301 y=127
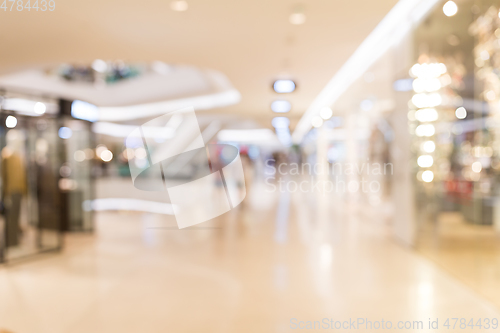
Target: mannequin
x=13 y=184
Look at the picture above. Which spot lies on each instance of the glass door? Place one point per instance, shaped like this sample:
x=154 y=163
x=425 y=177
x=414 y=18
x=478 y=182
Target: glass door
x=76 y=182
x=29 y=192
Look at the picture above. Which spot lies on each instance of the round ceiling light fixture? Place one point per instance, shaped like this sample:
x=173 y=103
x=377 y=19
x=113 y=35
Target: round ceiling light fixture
x=284 y=86
x=281 y=106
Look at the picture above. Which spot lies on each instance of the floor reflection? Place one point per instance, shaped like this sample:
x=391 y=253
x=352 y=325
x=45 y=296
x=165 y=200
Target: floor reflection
x=331 y=259
x=470 y=252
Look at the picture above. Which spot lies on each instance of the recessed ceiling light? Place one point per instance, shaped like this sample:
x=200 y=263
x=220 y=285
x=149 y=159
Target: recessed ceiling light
x=284 y=86
x=450 y=8
x=281 y=106
x=179 y=6
x=11 y=122
x=297 y=18
x=280 y=122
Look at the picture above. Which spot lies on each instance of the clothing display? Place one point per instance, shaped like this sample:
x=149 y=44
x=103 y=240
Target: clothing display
x=14 y=188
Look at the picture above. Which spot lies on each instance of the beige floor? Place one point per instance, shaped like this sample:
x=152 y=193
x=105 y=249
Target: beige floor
x=252 y=270
x=469 y=252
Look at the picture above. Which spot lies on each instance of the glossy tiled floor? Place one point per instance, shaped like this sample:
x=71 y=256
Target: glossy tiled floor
x=277 y=257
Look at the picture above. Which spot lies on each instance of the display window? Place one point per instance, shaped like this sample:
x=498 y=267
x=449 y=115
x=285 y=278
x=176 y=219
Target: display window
x=44 y=179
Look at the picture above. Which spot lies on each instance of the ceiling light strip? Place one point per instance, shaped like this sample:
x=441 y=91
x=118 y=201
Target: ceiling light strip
x=395 y=25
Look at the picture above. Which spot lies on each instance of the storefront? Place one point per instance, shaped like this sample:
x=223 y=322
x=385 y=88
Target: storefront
x=46 y=159
x=432 y=105
x=454 y=123
x=454 y=113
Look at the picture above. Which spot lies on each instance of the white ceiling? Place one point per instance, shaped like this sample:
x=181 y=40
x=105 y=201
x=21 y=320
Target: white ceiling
x=252 y=42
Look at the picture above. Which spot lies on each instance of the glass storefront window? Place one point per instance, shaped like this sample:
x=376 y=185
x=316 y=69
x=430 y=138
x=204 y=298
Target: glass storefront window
x=44 y=180
x=454 y=120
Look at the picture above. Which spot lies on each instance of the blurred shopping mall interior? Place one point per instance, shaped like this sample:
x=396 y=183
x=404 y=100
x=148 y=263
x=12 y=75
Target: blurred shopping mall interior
x=249 y=166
